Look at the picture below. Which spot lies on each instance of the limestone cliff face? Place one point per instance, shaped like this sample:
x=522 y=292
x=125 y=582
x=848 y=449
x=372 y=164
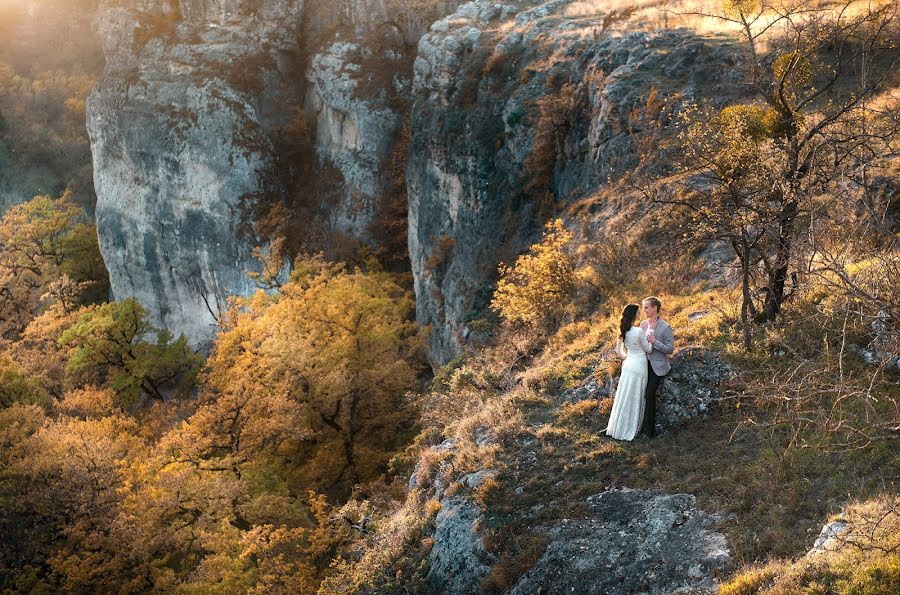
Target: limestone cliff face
x=513 y=109
x=186 y=128
x=180 y=130
x=358 y=95
x=517 y=110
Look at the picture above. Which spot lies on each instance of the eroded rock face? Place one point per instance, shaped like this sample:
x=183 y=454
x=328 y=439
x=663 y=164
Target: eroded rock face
x=364 y=17
x=517 y=110
x=458 y=560
x=357 y=120
x=180 y=128
x=359 y=96
x=635 y=541
x=188 y=126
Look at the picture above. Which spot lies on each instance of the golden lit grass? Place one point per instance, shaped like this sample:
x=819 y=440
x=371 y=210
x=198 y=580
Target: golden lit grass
x=549 y=456
x=697 y=15
x=702 y=318
x=662 y=14
x=400 y=544
x=866 y=559
x=778 y=498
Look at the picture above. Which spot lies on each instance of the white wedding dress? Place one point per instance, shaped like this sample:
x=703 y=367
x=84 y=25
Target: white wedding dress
x=628 y=405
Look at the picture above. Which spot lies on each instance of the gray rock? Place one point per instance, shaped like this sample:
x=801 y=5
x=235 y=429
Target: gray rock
x=458 y=560
x=180 y=128
x=829 y=537
x=356 y=128
x=589 y=389
x=635 y=541
x=692 y=388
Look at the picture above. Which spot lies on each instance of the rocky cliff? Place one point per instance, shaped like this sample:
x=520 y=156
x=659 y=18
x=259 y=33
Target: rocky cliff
x=190 y=130
x=516 y=111
x=180 y=128
x=510 y=110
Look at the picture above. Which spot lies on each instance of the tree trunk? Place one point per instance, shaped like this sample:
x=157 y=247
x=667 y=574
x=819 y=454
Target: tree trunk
x=350 y=436
x=779 y=274
x=747 y=303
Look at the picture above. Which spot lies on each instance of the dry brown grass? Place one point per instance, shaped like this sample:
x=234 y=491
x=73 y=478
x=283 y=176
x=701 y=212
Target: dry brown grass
x=702 y=318
x=516 y=562
x=865 y=559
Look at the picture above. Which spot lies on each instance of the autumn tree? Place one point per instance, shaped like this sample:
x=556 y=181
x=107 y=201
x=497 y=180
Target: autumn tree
x=63 y=481
x=304 y=390
x=754 y=174
x=16 y=387
x=38 y=353
x=48 y=249
x=114 y=343
x=338 y=346
x=536 y=289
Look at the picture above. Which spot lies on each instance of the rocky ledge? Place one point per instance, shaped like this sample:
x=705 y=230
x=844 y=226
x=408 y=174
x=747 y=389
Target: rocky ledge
x=693 y=388
x=634 y=541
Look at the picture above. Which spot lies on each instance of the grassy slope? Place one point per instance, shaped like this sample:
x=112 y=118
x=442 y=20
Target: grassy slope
x=776 y=499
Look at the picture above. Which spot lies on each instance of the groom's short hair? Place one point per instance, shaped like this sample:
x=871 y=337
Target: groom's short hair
x=653 y=300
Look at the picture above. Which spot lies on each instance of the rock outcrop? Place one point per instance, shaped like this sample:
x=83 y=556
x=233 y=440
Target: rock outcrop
x=357 y=119
x=635 y=541
x=188 y=128
x=458 y=560
x=630 y=541
x=516 y=110
x=180 y=127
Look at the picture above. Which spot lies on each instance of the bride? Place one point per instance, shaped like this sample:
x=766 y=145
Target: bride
x=628 y=406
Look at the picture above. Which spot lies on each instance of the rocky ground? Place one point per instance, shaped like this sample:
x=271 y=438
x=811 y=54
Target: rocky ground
x=594 y=536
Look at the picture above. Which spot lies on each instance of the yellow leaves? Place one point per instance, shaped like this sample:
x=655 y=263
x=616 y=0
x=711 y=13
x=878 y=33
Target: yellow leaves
x=540 y=283
x=793 y=67
x=274 y=264
x=89 y=403
x=793 y=74
x=40 y=241
x=305 y=362
x=75 y=105
x=747 y=122
x=17 y=423
x=740 y=8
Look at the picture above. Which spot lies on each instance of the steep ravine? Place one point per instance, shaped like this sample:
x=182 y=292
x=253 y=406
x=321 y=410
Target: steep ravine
x=513 y=110
x=517 y=112
x=191 y=130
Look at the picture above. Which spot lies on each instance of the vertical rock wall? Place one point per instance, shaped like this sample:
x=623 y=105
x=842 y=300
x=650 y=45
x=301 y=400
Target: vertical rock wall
x=180 y=128
x=519 y=109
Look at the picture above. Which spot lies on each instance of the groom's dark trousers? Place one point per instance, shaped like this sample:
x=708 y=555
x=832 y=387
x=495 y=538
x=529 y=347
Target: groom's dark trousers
x=653 y=384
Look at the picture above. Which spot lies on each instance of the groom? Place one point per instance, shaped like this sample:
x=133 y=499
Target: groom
x=661 y=337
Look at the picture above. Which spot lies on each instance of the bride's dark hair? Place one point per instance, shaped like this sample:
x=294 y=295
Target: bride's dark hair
x=628 y=315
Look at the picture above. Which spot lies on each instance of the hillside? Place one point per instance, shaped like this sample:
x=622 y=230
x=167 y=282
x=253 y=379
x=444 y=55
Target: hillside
x=342 y=316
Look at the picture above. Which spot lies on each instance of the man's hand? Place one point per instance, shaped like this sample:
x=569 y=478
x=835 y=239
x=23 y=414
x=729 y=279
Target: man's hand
x=651 y=338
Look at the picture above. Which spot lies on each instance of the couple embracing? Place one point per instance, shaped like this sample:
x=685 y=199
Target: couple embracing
x=646 y=349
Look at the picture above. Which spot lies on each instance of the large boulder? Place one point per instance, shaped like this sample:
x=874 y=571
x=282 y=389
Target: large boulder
x=635 y=541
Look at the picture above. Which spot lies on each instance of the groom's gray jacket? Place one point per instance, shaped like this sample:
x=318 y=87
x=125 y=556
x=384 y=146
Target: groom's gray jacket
x=662 y=348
